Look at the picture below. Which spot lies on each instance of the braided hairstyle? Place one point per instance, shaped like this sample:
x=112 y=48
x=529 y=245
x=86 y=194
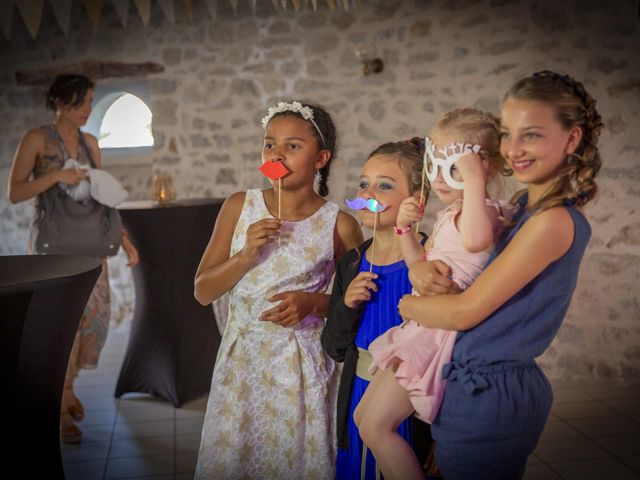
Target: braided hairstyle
x=68 y=89
x=574 y=107
x=482 y=128
x=410 y=154
x=325 y=124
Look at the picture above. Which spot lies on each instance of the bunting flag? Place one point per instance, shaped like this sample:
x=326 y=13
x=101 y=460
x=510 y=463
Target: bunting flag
x=6 y=17
x=168 y=10
x=212 y=7
x=62 y=12
x=254 y=6
x=31 y=11
x=276 y=5
x=315 y=5
x=284 y=4
x=144 y=10
x=94 y=10
x=122 y=9
x=234 y=5
x=345 y=5
x=296 y=4
x=189 y=6
x=332 y=4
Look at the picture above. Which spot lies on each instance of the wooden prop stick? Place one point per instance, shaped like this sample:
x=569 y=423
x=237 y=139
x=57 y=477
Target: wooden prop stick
x=421 y=198
x=373 y=242
x=280 y=198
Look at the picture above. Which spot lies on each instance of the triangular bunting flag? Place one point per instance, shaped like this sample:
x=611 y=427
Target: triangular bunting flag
x=276 y=5
x=234 y=6
x=169 y=11
x=345 y=5
x=254 y=5
x=94 y=10
x=62 y=11
x=6 y=17
x=189 y=6
x=144 y=10
x=122 y=9
x=31 y=11
x=284 y=4
x=296 y=4
x=332 y=4
x=315 y=5
x=212 y=7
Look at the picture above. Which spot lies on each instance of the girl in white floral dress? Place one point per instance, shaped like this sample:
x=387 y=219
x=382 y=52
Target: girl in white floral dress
x=270 y=410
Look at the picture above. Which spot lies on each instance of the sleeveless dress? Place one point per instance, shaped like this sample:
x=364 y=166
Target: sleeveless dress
x=380 y=314
x=497 y=399
x=270 y=413
x=421 y=352
x=94 y=325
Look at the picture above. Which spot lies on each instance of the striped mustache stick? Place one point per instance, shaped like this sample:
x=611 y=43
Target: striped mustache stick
x=372 y=205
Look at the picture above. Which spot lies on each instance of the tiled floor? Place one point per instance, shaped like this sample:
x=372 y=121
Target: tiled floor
x=593 y=431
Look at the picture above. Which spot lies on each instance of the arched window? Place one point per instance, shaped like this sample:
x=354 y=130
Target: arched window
x=126 y=124
x=122 y=122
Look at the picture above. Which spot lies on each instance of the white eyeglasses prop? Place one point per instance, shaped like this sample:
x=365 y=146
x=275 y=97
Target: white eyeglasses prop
x=452 y=153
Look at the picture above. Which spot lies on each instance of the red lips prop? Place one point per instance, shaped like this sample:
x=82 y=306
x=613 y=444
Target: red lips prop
x=274 y=170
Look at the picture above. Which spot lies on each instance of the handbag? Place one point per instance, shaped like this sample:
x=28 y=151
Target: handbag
x=64 y=226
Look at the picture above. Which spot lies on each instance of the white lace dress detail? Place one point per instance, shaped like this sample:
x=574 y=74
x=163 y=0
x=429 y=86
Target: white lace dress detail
x=271 y=408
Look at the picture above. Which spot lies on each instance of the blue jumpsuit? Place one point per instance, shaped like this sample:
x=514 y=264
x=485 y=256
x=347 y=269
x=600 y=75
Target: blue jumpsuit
x=379 y=315
x=497 y=399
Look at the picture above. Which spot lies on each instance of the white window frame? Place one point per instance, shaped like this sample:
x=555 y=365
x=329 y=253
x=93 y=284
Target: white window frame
x=104 y=95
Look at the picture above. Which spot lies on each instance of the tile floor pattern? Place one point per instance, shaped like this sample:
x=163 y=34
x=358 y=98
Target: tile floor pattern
x=592 y=433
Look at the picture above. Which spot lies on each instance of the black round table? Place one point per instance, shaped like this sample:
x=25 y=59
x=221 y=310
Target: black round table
x=174 y=340
x=42 y=298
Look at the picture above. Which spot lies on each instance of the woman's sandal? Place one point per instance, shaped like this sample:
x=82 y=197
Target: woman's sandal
x=76 y=409
x=69 y=432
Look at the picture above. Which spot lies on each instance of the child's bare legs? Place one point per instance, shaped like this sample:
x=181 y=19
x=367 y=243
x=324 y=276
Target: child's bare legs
x=383 y=407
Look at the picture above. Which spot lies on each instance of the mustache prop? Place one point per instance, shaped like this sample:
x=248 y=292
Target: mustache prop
x=360 y=203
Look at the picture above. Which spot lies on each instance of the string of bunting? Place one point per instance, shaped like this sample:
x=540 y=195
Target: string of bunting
x=31 y=11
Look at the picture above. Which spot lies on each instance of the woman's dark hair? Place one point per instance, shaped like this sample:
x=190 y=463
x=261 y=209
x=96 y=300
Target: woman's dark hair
x=574 y=107
x=68 y=89
x=327 y=141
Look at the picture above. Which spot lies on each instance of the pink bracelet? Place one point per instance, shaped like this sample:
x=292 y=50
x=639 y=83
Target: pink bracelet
x=401 y=231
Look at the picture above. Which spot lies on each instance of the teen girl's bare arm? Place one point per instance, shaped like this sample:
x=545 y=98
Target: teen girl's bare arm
x=542 y=240
x=218 y=272
x=296 y=305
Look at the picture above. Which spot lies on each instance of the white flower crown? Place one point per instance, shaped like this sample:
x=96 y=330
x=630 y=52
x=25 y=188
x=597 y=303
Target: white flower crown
x=296 y=107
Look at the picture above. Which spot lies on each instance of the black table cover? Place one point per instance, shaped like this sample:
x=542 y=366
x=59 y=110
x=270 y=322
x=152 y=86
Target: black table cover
x=42 y=298
x=174 y=340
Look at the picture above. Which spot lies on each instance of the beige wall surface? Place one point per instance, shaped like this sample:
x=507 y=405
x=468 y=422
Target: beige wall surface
x=221 y=73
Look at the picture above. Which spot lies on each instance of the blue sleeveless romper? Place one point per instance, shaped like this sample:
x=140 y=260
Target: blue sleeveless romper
x=379 y=315
x=497 y=399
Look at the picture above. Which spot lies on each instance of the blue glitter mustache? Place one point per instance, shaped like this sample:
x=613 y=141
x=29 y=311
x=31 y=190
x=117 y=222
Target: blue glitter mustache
x=360 y=203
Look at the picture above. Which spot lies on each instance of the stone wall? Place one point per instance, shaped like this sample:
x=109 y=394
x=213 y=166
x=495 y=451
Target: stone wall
x=222 y=73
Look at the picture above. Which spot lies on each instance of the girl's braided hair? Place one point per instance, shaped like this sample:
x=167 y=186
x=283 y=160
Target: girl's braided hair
x=574 y=107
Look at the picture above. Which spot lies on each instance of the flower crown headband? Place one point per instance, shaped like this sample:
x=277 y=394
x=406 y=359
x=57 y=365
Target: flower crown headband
x=296 y=107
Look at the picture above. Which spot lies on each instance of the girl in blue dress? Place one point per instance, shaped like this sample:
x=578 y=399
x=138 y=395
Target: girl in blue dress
x=363 y=304
x=497 y=399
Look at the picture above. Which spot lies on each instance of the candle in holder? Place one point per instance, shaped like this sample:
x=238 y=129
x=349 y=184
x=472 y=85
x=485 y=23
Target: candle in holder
x=162 y=190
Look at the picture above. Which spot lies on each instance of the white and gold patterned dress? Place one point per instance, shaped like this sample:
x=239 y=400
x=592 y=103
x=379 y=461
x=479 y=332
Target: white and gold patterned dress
x=271 y=408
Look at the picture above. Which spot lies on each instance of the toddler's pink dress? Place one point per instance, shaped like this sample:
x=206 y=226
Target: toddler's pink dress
x=421 y=352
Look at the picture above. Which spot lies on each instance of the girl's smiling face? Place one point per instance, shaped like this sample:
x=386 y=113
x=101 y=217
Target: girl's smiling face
x=534 y=142
x=383 y=179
